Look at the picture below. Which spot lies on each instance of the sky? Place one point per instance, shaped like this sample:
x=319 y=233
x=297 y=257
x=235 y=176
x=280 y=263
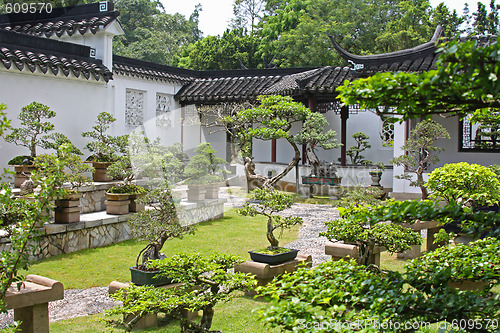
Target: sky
x=216 y=14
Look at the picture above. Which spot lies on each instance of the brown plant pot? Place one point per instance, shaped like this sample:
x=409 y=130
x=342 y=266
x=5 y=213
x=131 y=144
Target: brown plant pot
x=117 y=203
x=67 y=210
x=100 y=169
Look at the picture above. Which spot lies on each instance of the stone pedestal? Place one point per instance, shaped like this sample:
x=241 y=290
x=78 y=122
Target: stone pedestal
x=265 y=273
x=305 y=191
x=334 y=192
x=196 y=193
x=432 y=229
x=340 y=250
x=100 y=169
x=67 y=210
x=117 y=207
x=31 y=303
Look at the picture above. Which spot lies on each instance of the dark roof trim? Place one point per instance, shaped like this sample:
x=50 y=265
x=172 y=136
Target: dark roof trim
x=36 y=43
x=23 y=51
x=420 y=51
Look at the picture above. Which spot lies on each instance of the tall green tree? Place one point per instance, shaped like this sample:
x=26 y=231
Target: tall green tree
x=150 y=34
x=247 y=13
x=233 y=49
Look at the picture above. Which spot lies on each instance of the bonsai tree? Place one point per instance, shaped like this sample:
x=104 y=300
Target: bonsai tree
x=465 y=184
x=313 y=135
x=371 y=226
x=34 y=132
x=420 y=152
x=204 y=167
x=362 y=144
x=206 y=281
x=157 y=224
x=105 y=147
x=66 y=170
x=268 y=202
x=272 y=119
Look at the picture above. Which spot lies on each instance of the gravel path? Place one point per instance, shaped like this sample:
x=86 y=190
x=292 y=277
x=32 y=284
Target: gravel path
x=83 y=302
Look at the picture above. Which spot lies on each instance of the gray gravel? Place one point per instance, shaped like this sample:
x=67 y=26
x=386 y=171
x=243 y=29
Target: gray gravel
x=83 y=302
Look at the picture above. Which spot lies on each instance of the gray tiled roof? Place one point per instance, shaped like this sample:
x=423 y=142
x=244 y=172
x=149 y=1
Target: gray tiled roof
x=70 y=20
x=47 y=56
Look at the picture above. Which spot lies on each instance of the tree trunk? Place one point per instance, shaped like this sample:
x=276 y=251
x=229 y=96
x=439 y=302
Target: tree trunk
x=269 y=183
x=207 y=317
x=270 y=236
x=420 y=181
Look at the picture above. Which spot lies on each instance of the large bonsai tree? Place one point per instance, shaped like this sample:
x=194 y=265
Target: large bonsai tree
x=105 y=147
x=314 y=136
x=268 y=202
x=35 y=131
x=273 y=119
x=420 y=152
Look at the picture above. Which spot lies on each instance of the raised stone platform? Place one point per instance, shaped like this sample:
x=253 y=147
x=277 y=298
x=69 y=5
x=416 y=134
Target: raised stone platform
x=99 y=229
x=339 y=250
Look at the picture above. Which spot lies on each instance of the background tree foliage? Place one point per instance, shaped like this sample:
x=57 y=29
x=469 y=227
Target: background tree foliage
x=151 y=34
x=229 y=51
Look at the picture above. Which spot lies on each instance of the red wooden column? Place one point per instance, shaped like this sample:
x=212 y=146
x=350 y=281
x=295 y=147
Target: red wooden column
x=273 y=150
x=344 y=115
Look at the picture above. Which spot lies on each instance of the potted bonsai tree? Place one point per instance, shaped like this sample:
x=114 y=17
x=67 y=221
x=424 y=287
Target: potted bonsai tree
x=33 y=132
x=67 y=171
x=105 y=148
x=204 y=174
x=122 y=198
x=376 y=174
x=156 y=225
x=268 y=202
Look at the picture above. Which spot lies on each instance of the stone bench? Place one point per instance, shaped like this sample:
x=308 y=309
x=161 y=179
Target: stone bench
x=31 y=302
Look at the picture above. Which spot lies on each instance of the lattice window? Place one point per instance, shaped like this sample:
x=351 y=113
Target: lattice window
x=479 y=137
x=387 y=133
x=134 y=107
x=164 y=104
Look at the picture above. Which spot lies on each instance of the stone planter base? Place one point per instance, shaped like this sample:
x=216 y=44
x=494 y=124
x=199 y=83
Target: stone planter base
x=416 y=250
x=134 y=206
x=468 y=285
x=117 y=207
x=340 y=250
x=31 y=303
x=99 y=174
x=68 y=210
x=265 y=273
x=196 y=192
x=212 y=191
x=19 y=178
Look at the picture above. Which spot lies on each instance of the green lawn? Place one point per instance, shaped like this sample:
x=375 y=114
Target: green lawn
x=98 y=267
